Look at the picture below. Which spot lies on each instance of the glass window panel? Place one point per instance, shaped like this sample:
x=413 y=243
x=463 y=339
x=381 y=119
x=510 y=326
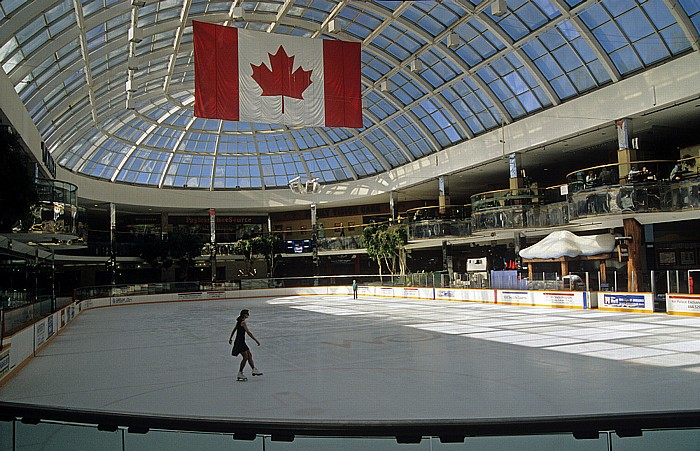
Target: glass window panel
x=635 y=25
x=582 y=79
x=529 y=101
x=514 y=108
x=515 y=83
x=567 y=59
x=610 y=37
x=513 y=26
x=675 y=39
x=599 y=72
x=659 y=13
x=531 y=16
x=651 y=49
x=563 y=87
x=617 y=7
x=549 y=67
x=534 y=48
x=626 y=60
x=594 y=16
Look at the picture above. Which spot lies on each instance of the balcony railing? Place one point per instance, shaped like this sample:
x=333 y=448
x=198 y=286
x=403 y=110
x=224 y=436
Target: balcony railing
x=57 y=209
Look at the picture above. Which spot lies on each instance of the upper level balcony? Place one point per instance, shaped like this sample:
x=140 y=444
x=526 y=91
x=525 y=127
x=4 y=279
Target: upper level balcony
x=519 y=208
x=637 y=187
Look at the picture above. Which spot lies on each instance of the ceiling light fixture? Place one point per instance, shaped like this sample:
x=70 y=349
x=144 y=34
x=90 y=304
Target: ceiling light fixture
x=453 y=40
x=499 y=8
x=416 y=65
x=333 y=26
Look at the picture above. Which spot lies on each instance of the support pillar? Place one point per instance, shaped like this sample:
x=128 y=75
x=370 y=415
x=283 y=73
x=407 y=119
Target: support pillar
x=515 y=171
x=564 y=267
x=444 y=198
x=625 y=154
x=314 y=239
x=392 y=206
x=212 y=241
x=635 y=247
x=112 y=243
x=603 y=268
x=164 y=225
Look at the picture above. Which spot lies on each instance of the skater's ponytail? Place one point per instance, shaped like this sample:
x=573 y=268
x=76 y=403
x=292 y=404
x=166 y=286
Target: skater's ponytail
x=240 y=317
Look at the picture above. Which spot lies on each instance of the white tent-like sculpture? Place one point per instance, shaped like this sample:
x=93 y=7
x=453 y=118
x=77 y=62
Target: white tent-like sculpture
x=566 y=244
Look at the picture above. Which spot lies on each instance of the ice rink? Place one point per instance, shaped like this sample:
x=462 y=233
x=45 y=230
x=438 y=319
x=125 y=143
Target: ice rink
x=334 y=358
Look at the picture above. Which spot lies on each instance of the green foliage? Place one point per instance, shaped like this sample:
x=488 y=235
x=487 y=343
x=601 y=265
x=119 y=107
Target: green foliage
x=385 y=244
x=17 y=190
x=269 y=246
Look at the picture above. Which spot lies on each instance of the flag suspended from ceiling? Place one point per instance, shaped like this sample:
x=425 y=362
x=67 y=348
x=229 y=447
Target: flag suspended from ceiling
x=252 y=76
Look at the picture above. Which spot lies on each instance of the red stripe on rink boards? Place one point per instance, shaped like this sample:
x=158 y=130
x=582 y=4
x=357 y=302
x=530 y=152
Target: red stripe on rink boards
x=215 y=71
x=342 y=84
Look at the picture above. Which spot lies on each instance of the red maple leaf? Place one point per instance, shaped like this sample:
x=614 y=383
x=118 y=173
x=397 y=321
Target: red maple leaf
x=281 y=81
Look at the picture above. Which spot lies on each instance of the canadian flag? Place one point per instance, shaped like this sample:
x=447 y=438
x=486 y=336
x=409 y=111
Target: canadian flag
x=243 y=75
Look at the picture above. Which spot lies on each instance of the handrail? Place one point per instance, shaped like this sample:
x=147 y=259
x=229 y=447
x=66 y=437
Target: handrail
x=405 y=431
x=629 y=163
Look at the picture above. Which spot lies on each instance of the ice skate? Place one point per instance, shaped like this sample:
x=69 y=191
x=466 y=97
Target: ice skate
x=257 y=372
x=241 y=377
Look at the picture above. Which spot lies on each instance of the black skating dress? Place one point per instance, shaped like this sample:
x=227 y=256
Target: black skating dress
x=239 y=342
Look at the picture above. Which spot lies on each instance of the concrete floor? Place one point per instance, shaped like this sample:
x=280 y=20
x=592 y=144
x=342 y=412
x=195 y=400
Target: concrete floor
x=333 y=358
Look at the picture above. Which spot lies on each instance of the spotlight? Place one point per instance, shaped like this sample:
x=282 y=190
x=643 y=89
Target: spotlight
x=499 y=8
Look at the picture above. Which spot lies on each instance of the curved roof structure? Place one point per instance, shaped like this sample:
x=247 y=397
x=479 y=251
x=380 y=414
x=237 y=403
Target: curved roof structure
x=434 y=74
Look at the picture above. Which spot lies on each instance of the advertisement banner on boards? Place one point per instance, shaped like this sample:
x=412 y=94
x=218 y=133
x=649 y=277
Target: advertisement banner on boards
x=679 y=303
x=49 y=326
x=4 y=362
x=514 y=297
x=40 y=333
x=624 y=300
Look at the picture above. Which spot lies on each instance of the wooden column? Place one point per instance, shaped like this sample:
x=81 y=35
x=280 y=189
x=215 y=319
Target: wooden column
x=603 y=268
x=635 y=248
x=564 y=267
x=530 y=271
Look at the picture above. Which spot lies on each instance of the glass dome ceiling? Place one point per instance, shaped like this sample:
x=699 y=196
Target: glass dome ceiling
x=434 y=73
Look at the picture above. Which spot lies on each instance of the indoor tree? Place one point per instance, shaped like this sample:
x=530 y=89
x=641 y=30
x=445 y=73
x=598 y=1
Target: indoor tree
x=386 y=245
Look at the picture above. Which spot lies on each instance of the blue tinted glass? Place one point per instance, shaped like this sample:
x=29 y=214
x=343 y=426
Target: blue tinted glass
x=529 y=101
x=617 y=7
x=515 y=83
x=651 y=49
x=676 y=40
x=626 y=60
x=514 y=108
x=659 y=13
x=531 y=16
x=514 y=27
x=581 y=79
x=610 y=37
x=552 y=39
x=584 y=50
x=563 y=87
x=599 y=72
x=548 y=8
x=534 y=48
x=499 y=88
x=567 y=58
x=594 y=16
x=635 y=25
x=469 y=55
x=549 y=67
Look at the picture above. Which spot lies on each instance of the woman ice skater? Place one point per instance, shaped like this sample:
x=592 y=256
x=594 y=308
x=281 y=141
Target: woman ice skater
x=239 y=346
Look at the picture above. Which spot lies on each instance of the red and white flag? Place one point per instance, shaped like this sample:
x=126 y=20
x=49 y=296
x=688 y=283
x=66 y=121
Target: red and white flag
x=251 y=76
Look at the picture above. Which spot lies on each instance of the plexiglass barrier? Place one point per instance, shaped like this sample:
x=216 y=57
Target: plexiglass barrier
x=31 y=427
